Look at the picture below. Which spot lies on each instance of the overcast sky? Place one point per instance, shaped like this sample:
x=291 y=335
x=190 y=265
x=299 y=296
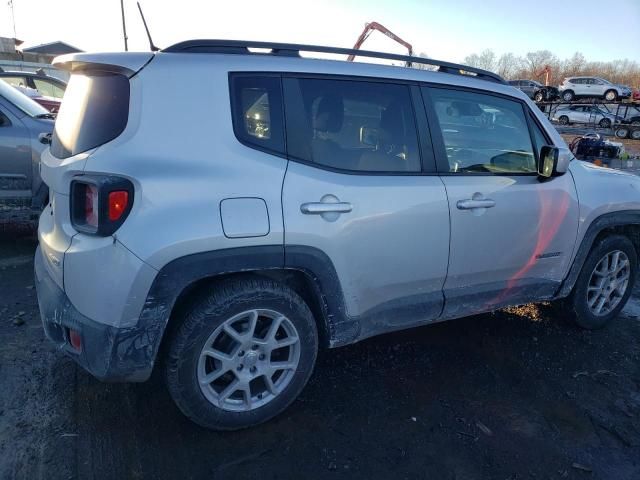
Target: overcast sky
x=444 y=29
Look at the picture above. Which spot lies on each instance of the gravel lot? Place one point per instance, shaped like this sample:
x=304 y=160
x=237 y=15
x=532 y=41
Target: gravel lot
x=512 y=395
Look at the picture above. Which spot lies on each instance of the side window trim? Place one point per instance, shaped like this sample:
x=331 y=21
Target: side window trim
x=442 y=161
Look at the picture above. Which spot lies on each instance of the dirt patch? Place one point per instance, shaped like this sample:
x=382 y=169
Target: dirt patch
x=517 y=394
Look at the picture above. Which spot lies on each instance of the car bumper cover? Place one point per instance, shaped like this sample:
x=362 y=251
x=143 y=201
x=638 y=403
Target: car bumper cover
x=108 y=353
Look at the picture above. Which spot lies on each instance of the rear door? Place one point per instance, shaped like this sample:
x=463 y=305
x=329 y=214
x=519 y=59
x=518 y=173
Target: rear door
x=360 y=190
x=511 y=235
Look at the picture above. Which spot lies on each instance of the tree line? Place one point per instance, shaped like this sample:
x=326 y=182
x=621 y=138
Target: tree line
x=530 y=66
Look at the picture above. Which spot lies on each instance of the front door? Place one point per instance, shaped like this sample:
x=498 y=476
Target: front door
x=512 y=236
x=356 y=192
x=15 y=157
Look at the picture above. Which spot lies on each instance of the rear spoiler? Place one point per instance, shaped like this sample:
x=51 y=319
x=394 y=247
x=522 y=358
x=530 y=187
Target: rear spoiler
x=124 y=63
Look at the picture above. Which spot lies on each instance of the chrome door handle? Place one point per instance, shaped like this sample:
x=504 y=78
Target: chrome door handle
x=318 y=208
x=470 y=204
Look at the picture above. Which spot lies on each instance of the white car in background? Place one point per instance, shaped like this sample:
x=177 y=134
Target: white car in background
x=574 y=87
x=585 y=114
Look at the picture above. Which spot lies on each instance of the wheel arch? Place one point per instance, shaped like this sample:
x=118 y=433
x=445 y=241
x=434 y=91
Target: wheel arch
x=626 y=222
x=306 y=270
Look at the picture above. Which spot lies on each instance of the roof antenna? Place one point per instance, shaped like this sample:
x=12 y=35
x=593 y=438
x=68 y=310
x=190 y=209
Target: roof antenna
x=151 y=45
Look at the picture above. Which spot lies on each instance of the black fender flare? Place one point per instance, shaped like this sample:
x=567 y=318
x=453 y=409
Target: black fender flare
x=176 y=276
x=607 y=220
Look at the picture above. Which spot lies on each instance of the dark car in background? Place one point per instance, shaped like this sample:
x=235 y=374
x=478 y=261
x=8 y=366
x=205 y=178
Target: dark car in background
x=535 y=90
x=42 y=88
x=24 y=126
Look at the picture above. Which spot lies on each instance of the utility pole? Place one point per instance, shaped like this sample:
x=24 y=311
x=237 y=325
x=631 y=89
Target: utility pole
x=13 y=18
x=124 y=27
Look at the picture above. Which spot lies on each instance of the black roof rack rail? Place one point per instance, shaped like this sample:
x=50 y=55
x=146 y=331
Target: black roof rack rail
x=242 y=47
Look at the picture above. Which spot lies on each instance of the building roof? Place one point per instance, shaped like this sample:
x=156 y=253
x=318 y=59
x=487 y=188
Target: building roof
x=53 y=48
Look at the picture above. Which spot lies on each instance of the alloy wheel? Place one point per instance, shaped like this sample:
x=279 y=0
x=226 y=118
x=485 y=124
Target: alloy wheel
x=608 y=283
x=248 y=360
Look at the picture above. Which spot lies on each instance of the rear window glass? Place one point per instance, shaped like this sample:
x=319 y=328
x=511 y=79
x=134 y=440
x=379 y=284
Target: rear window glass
x=94 y=111
x=257 y=111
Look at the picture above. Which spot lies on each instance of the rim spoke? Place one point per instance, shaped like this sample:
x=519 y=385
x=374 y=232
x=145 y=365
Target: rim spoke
x=246 y=393
x=285 y=342
x=594 y=299
x=276 y=366
x=253 y=321
x=615 y=258
x=603 y=299
x=231 y=388
x=217 y=354
x=213 y=376
x=273 y=329
x=232 y=332
x=270 y=385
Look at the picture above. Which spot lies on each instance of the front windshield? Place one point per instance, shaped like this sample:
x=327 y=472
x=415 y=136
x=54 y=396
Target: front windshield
x=21 y=101
x=606 y=82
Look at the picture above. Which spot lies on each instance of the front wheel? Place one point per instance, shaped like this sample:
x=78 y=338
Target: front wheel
x=564 y=120
x=242 y=355
x=622 y=132
x=604 y=284
x=610 y=95
x=538 y=97
x=605 y=123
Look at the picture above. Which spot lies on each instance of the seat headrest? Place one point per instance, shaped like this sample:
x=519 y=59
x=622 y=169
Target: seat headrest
x=330 y=114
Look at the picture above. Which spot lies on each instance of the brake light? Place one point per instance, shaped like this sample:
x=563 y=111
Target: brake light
x=118 y=202
x=100 y=204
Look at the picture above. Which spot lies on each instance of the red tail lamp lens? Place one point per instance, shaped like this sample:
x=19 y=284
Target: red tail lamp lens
x=118 y=201
x=75 y=340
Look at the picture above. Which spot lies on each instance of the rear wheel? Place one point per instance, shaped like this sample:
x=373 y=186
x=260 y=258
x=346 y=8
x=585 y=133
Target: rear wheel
x=610 y=95
x=604 y=284
x=242 y=355
x=564 y=120
x=567 y=95
x=622 y=132
x=635 y=134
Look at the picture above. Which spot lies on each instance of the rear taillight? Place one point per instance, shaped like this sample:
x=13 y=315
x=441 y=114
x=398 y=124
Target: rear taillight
x=100 y=204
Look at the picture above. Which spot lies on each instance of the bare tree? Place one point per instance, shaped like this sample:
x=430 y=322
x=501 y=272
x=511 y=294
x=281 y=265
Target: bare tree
x=532 y=65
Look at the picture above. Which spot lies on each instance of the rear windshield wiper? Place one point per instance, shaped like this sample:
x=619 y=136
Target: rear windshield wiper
x=46 y=115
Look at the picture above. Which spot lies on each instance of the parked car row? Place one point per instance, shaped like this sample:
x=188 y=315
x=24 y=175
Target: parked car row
x=42 y=88
x=573 y=88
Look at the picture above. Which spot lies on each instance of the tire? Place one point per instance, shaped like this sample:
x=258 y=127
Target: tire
x=635 y=134
x=611 y=95
x=568 y=95
x=538 y=97
x=605 y=123
x=577 y=305
x=635 y=123
x=230 y=305
x=563 y=120
x=622 y=132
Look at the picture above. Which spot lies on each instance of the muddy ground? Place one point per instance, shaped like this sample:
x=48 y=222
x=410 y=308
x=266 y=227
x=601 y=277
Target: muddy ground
x=511 y=395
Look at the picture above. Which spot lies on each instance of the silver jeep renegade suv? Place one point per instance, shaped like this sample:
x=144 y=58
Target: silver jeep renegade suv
x=220 y=213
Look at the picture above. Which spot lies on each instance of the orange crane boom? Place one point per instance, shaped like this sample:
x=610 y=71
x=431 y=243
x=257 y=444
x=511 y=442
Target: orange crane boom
x=370 y=27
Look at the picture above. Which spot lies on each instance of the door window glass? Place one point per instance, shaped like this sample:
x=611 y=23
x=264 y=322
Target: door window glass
x=483 y=133
x=352 y=125
x=48 y=89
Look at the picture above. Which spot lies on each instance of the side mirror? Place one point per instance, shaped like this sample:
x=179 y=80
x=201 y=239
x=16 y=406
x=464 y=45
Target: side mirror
x=45 y=138
x=369 y=136
x=553 y=162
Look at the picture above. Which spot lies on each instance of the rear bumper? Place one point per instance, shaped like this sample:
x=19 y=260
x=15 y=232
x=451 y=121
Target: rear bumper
x=108 y=353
